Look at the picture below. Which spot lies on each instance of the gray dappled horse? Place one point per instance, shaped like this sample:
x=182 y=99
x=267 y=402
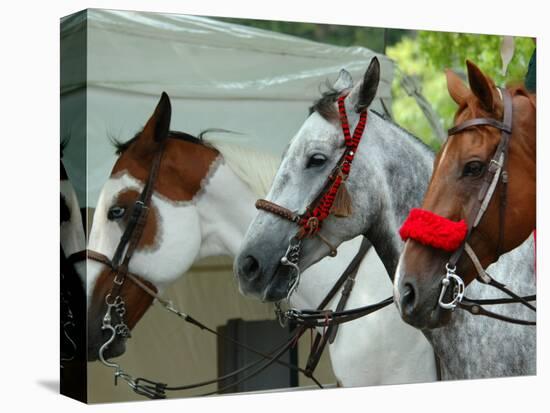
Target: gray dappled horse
x=390 y=173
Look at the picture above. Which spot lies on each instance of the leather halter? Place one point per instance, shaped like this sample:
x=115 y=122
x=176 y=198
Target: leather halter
x=134 y=229
x=131 y=236
x=321 y=207
x=497 y=170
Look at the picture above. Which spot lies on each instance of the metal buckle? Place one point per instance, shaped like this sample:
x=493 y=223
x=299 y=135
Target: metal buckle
x=290 y=259
x=280 y=314
x=458 y=291
x=496 y=163
x=118 y=281
x=139 y=206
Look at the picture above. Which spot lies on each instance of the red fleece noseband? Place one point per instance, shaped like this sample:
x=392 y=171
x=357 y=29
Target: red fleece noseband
x=433 y=230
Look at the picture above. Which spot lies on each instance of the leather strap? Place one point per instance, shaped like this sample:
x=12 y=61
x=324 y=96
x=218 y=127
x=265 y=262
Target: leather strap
x=145 y=285
x=480 y=122
x=348 y=280
x=277 y=210
x=76 y=257
x=477 y=309
x=351 y=272
x=496 y=170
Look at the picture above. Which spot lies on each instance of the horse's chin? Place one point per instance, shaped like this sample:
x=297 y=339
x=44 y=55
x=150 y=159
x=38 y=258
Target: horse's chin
x=278 y=286
x=270 y=288
x=438 y=317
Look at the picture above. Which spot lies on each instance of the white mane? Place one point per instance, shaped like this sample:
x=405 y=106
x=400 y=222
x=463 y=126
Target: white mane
x=257 y=169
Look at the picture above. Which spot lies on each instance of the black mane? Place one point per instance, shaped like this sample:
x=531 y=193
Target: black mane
x=121 y=146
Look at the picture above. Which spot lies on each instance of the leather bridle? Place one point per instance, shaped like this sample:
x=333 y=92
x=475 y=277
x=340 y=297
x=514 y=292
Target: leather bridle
x=310 y=222
x=496 y=172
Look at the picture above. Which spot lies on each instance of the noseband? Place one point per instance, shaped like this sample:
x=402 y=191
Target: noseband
x=326 y=202
x=440 y=232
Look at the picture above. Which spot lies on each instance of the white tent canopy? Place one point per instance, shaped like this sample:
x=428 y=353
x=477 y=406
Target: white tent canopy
x=218 y=75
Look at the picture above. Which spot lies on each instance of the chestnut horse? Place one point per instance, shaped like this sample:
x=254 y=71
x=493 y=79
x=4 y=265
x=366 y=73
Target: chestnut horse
x=460 y=170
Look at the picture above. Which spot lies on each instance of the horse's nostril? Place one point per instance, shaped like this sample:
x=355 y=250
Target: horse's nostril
x=250 y=267
x=408 y=299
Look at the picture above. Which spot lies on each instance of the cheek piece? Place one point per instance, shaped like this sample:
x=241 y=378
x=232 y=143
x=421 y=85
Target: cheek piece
x=433 y=230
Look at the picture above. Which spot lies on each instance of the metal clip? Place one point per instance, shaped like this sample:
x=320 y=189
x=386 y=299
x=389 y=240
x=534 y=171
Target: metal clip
x=280 y=315
x=494 y=165
x=291 y=259
x=169 y=305
x=118 y=281
x=458 y=291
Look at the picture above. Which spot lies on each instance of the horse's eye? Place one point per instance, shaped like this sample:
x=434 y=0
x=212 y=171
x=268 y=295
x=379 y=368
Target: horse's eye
x=116 y=212
x=316 y=160
x=473 y=169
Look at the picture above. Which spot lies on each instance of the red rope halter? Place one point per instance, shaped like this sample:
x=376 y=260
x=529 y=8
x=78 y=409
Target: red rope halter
x=311 y=220
x=433 y=230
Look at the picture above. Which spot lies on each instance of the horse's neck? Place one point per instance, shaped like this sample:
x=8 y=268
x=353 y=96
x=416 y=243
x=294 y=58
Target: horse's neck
x=494 y=342
x=226 y=208
x=395 y=169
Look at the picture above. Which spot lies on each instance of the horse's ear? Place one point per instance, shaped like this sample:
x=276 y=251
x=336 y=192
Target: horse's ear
x=481 y=86
x=456 y=87
x=363 y=94
x=344 y=81
x=158 y=126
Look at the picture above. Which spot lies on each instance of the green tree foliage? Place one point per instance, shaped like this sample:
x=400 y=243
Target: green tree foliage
x=423 y=55
x=426 y=56
x=373 y=38
x=451 y=50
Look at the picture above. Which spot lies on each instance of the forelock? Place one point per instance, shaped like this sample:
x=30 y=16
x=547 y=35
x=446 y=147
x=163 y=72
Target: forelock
x=325 y=105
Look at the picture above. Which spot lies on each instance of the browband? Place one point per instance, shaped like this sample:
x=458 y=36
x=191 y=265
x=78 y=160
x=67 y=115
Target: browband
x=480 y=122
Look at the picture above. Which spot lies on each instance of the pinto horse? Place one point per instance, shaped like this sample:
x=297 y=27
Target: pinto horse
x=460 y=172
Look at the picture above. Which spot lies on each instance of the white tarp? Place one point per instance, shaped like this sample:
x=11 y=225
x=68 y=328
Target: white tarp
x=218 y=75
